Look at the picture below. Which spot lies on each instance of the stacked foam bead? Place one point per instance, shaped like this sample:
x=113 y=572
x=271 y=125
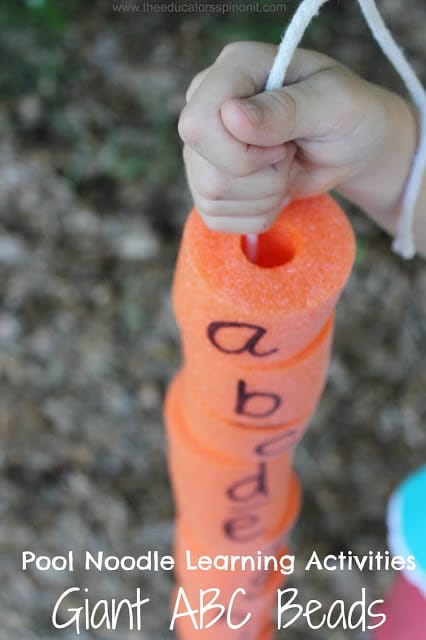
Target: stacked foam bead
x=256 y=342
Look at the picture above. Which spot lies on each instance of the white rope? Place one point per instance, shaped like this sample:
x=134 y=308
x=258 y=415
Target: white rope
x=291 y=39
x=404 y=241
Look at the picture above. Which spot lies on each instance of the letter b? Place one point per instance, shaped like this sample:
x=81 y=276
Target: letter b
x=210 y=605
x=270 y=401
x=286 y=606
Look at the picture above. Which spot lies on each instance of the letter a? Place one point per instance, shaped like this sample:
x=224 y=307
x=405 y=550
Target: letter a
x=248 y=345
x=188 y=612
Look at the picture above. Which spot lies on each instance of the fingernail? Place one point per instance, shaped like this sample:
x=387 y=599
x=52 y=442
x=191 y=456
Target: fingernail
x=252 y=111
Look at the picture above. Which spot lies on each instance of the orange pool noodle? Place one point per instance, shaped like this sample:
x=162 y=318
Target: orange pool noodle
x=257 y=583
x=263 y=395
x=270 y=545
x=263 y=601
x=257 y=627
x=231 y=438
x=224 y=496
x=268 y=632
x=250 y=535
x=235 y=310
x=256 y=343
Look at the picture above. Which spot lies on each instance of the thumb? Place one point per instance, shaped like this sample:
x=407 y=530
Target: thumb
x=272 y=117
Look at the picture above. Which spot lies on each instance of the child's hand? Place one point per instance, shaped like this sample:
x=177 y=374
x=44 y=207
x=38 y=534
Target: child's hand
x=248 y=151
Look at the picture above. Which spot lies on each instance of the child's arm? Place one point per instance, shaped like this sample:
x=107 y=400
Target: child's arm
x=327 y=128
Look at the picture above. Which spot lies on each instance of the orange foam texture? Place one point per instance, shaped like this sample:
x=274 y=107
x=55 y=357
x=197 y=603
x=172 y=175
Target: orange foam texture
x=269 y=396
x=232 y=438
x=253 y=533
x=257 y=583
x=270 y=541
x=216 y=493
x=215 y=282
x=263 y=602
x=268 y=633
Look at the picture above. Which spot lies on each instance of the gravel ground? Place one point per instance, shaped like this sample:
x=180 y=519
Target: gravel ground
x=92 y=202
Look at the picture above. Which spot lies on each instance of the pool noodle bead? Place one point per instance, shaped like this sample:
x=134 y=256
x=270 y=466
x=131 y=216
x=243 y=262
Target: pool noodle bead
x=254 y=629
x=296 y=385
x=268 y=632
x=213 y=490
x=257 y=583
x=215 y=282
x=260 y=612
x=232 y=438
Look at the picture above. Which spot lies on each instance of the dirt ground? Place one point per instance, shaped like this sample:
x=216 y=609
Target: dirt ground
x=92 y=203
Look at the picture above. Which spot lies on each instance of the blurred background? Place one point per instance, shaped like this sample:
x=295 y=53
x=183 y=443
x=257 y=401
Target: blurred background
x=92 y=203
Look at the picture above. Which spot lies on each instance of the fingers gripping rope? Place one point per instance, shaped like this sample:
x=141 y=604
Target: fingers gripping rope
x=404 y=241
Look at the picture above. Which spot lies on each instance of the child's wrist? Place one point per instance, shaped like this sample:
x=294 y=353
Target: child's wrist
x=379 y=184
